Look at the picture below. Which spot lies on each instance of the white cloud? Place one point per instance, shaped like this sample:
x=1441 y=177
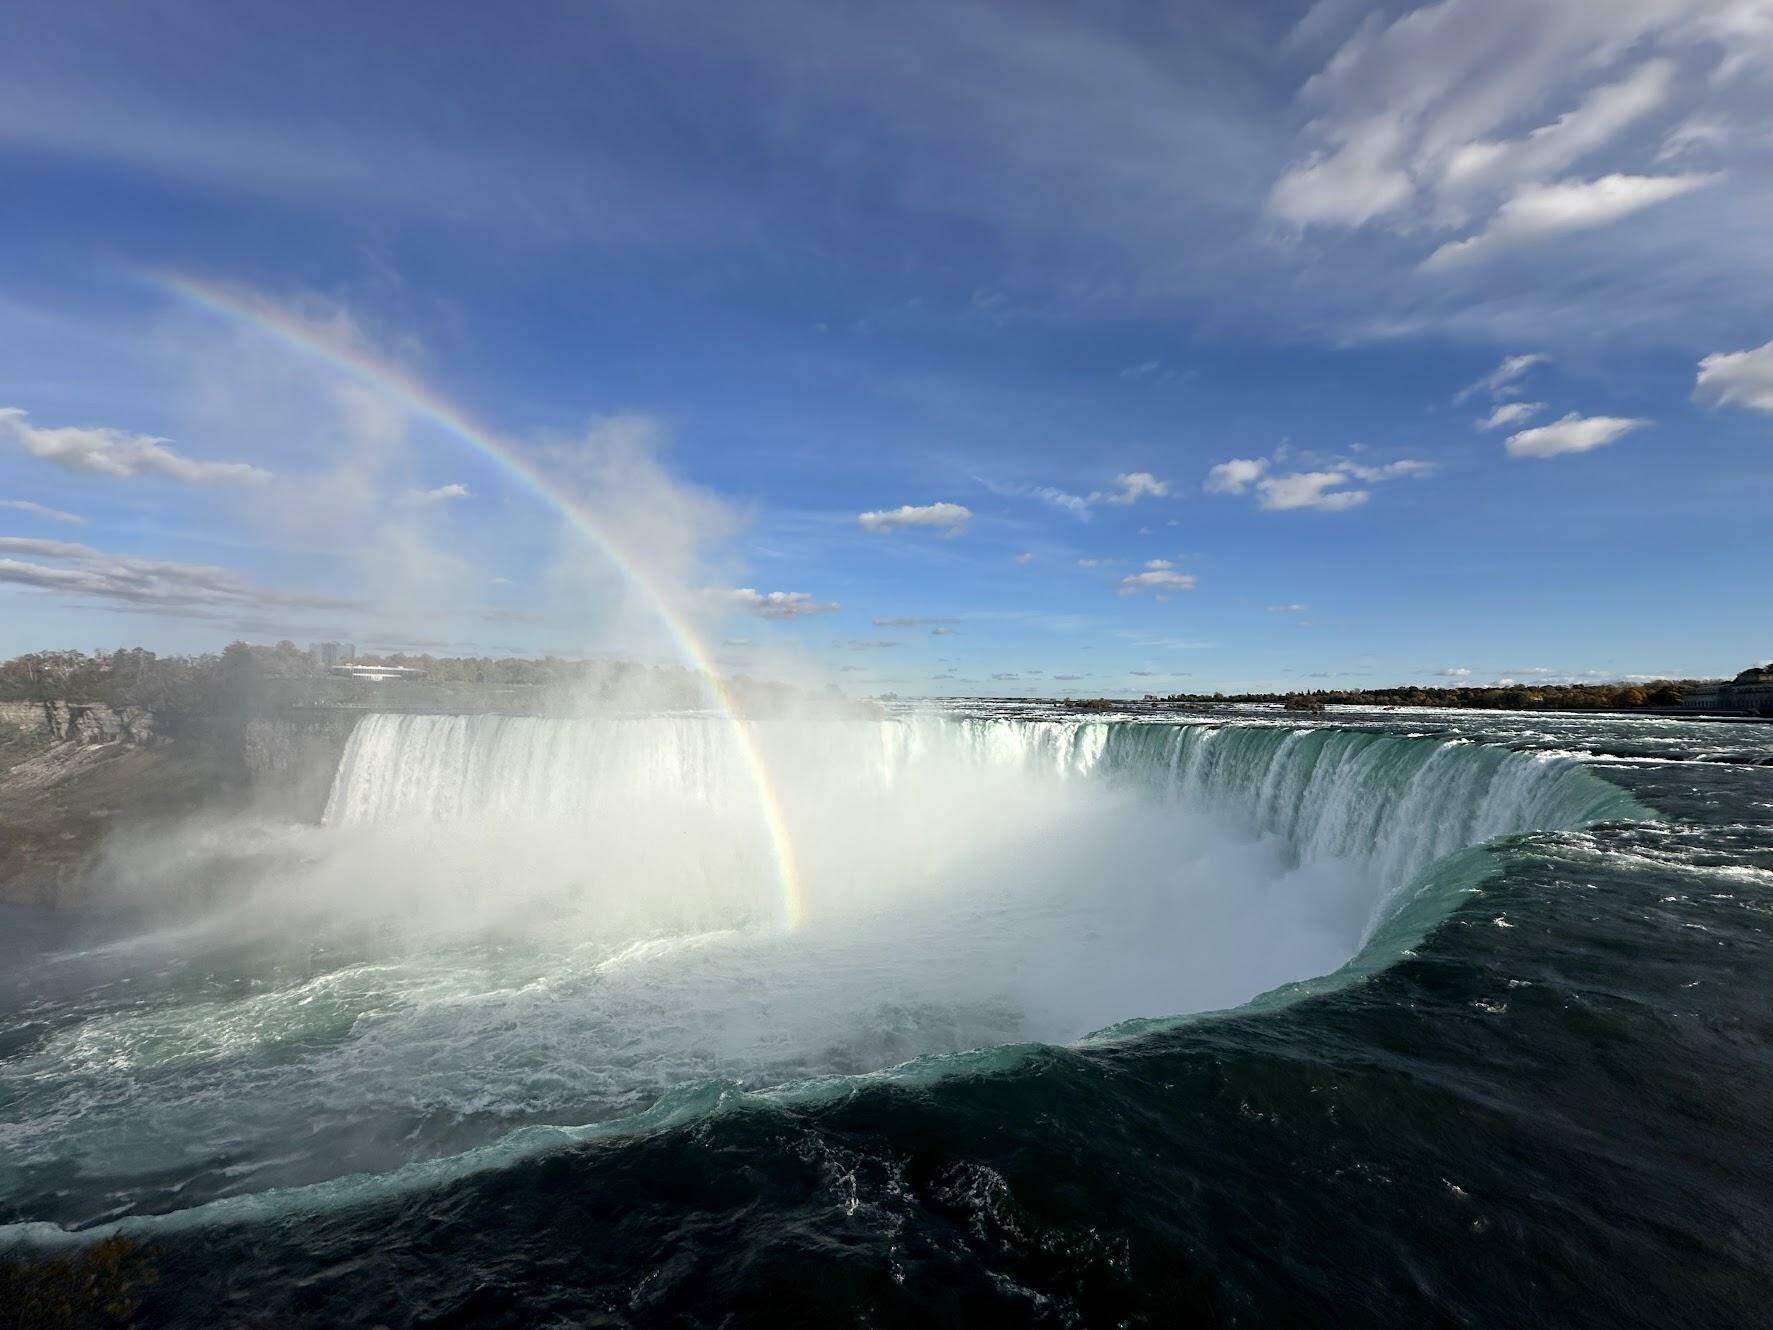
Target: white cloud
x=149 y=585
x=1744 y=30
x=1504 y=380
x=1572 y=434
x=1692 y=138
x=1417 y=118
x=1356 y=182
x=1023 y=559
x=1075 y=504
x=942 y=632
x=1094 y=563
x=433 y=497
x=1536 y=213
x=1309 y=489
x=1497 y=123
x=1555 y=147
x=779 y=604
x=1160 y=576
x=1510 y=413
x=1452 y=672
x=41 y=510
x=1737 y=378
x=1151 y=643
x=1235 y=476
x=1324 y=489
x=47 y=549
x=910 y=622
x=1403 y=468
x=950 y=516
x=1131 y=486
x=112 y=453
x=1134 y=485
x=1287 y=609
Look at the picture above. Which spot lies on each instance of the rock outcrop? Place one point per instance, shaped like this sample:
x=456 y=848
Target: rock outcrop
x=80 y=722
x=70 y=775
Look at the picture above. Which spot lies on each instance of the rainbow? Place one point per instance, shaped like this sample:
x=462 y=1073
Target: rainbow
x=428 y=404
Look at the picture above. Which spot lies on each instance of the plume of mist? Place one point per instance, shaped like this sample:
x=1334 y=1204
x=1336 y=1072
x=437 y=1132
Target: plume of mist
x=668 y=532
x=1021 y=902
x=343 y=457
x=677 y=537
x=564 y=925
x=356 y=503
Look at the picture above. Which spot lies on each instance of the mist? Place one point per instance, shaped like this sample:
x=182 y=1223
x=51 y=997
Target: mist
x=512 y=919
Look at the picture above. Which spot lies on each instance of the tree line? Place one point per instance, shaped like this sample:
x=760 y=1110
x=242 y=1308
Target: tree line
x=1617 y=696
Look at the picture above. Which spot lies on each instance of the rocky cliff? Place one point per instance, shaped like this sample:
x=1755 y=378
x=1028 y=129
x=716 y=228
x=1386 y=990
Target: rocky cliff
x=289 y=760
x=80 y=722
x=73 y=776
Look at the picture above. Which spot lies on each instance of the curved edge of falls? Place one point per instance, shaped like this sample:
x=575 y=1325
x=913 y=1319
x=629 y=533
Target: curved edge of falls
x=1428 y=815
x=1411 y=813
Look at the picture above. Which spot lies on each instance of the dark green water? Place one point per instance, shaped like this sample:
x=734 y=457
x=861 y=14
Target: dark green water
x=1544 y=1097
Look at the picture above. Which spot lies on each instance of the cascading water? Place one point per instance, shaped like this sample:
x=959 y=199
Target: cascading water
x=1392 y=803
x=1381 y=804
x=512 y=920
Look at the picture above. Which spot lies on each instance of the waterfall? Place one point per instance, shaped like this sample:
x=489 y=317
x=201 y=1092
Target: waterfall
x=1386 y=804
x=530 y=768
x=1395 y=803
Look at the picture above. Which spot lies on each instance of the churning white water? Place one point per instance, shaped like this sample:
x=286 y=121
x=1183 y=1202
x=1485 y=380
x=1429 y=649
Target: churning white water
x=507 y=919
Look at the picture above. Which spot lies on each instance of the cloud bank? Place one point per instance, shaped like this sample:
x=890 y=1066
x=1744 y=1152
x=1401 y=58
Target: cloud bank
x=153 y=585
x=117 y=455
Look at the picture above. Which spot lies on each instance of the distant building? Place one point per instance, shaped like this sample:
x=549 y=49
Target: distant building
x=377 y=673
x=333 y=653
x=1749 y=693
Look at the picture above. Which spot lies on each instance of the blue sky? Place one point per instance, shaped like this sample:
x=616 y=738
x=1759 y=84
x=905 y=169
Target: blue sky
x=950 y=348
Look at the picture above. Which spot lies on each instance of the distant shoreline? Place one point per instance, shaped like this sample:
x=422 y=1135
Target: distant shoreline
x=1209 y=706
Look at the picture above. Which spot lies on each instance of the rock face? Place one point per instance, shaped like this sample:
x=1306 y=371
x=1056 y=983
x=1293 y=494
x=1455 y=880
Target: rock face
x=290 y=760
x=80 y=722
x=75 y=777
x=71 y=776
